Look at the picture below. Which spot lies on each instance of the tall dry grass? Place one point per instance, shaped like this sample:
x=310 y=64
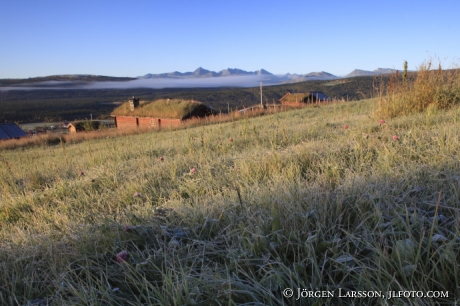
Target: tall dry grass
x=432 y=87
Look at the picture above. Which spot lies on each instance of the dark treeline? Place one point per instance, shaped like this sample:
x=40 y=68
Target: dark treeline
x=71 y=104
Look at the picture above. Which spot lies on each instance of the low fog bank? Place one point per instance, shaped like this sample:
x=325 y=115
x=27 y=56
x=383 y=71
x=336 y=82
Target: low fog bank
x=231 y=81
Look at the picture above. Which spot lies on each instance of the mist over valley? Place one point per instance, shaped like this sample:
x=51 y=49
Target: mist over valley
x=200 y=78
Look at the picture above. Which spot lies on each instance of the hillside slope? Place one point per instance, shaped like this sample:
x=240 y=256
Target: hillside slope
x=322 y=198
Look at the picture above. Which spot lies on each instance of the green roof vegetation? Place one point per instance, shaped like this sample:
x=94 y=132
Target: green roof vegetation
x=295 y=97
x=165 y=108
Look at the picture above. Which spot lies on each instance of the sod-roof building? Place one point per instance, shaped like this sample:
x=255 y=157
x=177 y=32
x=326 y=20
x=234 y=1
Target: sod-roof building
x=158 y=114
x=304 y=97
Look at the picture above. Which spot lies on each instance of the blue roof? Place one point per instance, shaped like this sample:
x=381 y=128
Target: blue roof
x=319 y=95
x=11 y=130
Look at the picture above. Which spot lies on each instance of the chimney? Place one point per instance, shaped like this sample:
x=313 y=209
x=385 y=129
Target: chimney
x=133 y=103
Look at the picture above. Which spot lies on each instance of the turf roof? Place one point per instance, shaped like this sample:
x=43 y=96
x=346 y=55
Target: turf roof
x=165 y=108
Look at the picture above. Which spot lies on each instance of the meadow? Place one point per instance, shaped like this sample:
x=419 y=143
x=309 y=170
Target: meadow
x=337 y=198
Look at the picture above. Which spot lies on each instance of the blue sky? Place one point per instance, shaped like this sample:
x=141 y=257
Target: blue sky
x=132 y=38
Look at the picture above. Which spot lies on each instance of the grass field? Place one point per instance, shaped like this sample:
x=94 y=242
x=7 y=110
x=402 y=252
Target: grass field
x=324 y=199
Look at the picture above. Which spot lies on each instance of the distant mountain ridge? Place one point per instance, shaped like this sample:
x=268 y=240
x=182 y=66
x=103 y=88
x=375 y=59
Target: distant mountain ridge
x=76 y=79
x=204 y=73
x=378 y=71
x=201 y=77
x=294 y=78
x=200 y=72
x=229 y=72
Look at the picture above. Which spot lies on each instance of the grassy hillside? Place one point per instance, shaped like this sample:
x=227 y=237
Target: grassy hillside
x=326 y=198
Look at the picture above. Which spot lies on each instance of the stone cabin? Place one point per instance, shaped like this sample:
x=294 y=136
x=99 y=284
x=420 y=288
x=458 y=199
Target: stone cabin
x=164 y=113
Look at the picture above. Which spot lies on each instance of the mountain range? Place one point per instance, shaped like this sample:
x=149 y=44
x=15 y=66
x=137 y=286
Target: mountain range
x=284 y=78
x=230 y=77
x=378 y=71
x=204 y=73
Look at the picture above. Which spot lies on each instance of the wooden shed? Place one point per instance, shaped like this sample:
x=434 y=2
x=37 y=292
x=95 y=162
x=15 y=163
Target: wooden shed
x=159 y=114
x=83 y=126
x=304 y=97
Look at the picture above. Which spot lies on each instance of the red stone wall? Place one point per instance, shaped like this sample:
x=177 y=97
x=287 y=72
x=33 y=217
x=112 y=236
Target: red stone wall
x=125 y=122
x=156 y=123
x=145 y=122
x=168 y=123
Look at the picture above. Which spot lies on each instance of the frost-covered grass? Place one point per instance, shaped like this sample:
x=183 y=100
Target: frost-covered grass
x=293 y=201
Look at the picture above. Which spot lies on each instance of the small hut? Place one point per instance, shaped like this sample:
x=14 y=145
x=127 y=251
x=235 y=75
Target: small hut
x=83 y=126
x=159 y=114
x=304 y=97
